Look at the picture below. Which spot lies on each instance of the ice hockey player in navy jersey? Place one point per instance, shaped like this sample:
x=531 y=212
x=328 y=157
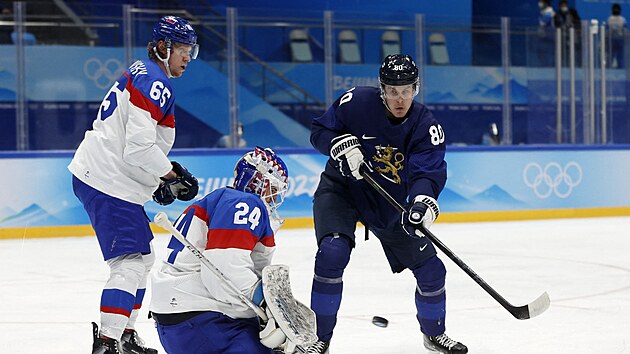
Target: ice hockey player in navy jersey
x=234 y=228
x=384 y=132
x=121 y=164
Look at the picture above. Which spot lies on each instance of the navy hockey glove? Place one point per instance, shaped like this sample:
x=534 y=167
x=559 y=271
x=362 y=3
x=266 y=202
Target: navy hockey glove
x=346 y=152
x=163 y=195
x=424 y=210
x=186 y=186
x=183 y=187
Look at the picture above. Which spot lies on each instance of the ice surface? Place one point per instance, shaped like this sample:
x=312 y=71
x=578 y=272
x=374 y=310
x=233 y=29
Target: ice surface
x=51 y=290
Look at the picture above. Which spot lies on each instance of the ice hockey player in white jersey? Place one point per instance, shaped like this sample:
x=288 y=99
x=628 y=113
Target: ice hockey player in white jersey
x=120 y=164
x=196 y=312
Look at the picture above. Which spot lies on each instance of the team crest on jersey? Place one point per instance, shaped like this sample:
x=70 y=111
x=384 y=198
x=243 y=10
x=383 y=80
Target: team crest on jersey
x=390 y=162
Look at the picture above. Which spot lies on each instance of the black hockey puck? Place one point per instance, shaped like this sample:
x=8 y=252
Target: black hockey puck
x=380 y=321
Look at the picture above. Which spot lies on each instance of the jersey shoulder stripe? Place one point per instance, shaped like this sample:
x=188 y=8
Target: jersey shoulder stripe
x=151 y=90
x=138 y=99
x=199 y=212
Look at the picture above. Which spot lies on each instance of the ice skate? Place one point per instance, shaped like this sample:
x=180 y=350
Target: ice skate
x=319 y=347
x=103 y=345
x=443 y=344
x=133 y=344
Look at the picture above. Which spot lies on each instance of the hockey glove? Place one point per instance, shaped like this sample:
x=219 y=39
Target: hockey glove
x=183 y=187
x=163 y=195
x=271 y=336
x=186 y=186
x=346 y=152
x=423 y=211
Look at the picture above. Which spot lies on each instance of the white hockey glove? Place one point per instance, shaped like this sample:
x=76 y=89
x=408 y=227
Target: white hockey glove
x=271 y=336
x=424 y=210
x=346 y=152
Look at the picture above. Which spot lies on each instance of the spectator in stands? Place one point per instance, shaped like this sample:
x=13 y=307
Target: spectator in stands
x=5 y=30
x=565 y=19
x=545 y=33
x=617 y=25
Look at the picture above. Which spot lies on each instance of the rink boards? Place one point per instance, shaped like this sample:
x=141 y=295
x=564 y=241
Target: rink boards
x=484 y=184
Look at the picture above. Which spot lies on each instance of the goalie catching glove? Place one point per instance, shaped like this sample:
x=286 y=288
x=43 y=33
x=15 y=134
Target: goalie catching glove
x=423 y=211
x=290 y=324
x=183 y=187
x=271 y=336
x=346 y=151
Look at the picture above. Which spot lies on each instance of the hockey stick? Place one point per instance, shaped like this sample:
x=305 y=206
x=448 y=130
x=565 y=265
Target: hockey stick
x=161 y=219
x=534 y=308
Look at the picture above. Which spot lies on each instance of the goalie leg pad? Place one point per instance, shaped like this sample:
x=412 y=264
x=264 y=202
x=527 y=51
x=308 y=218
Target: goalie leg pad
x=295 y=319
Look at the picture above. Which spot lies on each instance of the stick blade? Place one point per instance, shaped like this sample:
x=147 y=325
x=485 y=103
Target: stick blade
x=539 y=305
x=533 y=309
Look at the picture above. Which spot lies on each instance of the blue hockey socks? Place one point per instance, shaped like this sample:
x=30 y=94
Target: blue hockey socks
x=430 y=296
x=331 y=260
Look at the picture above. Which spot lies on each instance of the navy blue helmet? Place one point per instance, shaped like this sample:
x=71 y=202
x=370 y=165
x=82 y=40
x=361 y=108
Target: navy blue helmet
x=175 y=29
x=398 y=70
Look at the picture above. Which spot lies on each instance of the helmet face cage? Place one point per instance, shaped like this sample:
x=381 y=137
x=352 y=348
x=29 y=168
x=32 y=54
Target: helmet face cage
x=263 y=173
x=176 y=29
x=398 y=70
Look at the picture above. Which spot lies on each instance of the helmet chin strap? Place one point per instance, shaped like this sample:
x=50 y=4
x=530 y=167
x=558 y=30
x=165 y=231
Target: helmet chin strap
x=165 y=61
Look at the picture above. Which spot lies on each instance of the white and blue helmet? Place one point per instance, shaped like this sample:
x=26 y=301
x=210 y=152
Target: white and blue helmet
x=263 y=173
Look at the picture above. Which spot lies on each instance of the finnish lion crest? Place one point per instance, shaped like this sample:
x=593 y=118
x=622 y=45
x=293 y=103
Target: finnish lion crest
x=391 y=160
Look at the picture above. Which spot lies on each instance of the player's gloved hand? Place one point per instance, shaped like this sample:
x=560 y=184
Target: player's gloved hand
x=183 y=187
x=187 y=186
x=346 y=151
x=163 y=195
x=271 y=336
x=423 y=211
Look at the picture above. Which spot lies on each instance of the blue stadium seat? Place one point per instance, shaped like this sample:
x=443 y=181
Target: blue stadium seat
x=300 y=46
x=349 y=48
x=438 y=52
x=390 y=43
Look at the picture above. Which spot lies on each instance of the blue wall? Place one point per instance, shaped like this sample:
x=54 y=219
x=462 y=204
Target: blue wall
x=480 y=180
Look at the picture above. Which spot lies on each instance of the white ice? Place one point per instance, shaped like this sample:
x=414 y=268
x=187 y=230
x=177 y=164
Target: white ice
x=51 y=290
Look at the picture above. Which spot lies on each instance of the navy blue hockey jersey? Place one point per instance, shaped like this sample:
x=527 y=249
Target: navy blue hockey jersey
x=408 y=156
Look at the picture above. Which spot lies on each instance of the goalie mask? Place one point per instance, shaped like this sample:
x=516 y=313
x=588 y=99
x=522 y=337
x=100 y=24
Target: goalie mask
x=263 y=173
x=172 y=29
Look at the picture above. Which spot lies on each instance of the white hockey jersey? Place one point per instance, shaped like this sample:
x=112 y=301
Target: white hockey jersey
x=233 y=230
x=124 y=155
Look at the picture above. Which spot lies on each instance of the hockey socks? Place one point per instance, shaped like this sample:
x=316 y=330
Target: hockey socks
x=119 y=295
x=331 y=260
x=430 y=296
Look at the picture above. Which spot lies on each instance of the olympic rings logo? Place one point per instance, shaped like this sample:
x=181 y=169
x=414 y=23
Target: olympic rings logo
x=553 y=178
x=103 y=74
